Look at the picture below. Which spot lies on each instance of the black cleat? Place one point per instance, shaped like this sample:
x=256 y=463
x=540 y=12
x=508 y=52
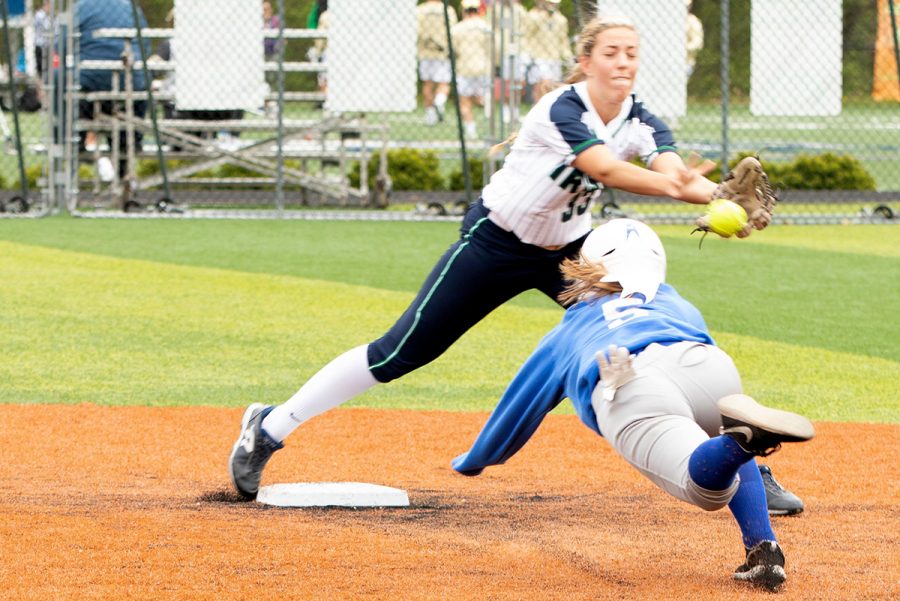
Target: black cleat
x=764 y=567
x=251 y=451
x=760 y=430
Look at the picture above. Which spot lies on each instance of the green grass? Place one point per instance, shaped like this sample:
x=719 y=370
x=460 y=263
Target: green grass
x=225 y=312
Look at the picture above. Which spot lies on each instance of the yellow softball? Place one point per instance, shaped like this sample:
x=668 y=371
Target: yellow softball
x=725 y=217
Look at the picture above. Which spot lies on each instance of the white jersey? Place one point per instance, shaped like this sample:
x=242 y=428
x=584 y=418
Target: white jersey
x=538 y=194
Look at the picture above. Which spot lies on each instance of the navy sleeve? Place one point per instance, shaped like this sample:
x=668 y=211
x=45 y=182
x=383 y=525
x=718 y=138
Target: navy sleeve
x=662 y=135
x=565 y=113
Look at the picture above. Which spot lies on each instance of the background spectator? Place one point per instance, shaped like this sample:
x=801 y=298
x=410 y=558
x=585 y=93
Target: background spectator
x=472 y=47
x=270 y=21
x=271 y=49
x=318 y=7
x=166 y=84
x=434 y=61
x=43 y=36
x=546 y=38
x=694 y=38
x=92 y=15
x=318 y=51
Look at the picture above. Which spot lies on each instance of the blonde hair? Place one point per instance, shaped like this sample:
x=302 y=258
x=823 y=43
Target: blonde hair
x=497 y=149
x=584 y=281
x=588 y=37
x=586 y=40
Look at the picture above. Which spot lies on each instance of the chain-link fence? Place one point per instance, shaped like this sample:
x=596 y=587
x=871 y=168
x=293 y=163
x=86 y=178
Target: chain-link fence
x=236 y=107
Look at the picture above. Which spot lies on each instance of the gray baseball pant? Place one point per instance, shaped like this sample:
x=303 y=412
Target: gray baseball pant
x=656 y=420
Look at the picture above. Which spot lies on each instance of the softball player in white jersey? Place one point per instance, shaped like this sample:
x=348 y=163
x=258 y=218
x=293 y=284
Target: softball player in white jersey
x=658 y=408
x=535 y=214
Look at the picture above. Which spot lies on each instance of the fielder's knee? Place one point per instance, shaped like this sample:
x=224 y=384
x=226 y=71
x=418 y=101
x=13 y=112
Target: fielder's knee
x=388 y=367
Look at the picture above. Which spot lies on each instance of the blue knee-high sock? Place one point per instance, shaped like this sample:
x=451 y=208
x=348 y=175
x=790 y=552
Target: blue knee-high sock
x=713 y=466
x=715 y=462
x=749 y=508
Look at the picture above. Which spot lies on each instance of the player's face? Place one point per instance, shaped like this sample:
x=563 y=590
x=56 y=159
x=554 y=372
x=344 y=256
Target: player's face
x=613 y=63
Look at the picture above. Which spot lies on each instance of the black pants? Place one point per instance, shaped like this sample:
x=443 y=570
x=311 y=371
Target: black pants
x=170 y=112
x=39 y=61
x=86 y=111
x=485 y=268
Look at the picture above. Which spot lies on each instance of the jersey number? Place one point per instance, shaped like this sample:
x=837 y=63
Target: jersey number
x=621 y=310
x=579 y=204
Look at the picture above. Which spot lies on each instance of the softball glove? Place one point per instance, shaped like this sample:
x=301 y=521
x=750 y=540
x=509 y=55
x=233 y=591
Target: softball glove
x=747 y=185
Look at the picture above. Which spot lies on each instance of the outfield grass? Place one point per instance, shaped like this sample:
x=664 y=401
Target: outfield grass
x=226 y=312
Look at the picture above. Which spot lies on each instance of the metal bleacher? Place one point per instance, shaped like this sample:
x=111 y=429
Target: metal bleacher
x=314 y=156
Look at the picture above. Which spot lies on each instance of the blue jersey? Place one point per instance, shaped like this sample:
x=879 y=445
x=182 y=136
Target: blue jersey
x=564 y=364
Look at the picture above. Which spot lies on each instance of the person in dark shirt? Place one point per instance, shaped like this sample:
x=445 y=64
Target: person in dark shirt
x=91 y=15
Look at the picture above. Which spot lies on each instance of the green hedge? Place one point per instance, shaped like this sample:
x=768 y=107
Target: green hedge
x=476 y=175
x=34 y=172
x=409 y=169
x=412 y=169
x=826 y=171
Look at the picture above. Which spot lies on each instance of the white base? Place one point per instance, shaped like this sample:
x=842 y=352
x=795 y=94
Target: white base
x=332 y=494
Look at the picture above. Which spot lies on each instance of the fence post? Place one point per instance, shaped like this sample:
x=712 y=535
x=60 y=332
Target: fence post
x=467 y=178
x=151 y=107
x=14 y=102
x=279 y=137
x=725 y=45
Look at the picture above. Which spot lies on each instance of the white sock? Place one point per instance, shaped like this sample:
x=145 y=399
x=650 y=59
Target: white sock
x=439 y=101
x=344 y=378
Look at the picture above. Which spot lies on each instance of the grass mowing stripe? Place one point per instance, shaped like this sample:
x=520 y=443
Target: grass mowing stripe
x=83 y=328
x=877 y=240
x=87 y=328
x=843 y=301
x=392 y=255
x=383 y=254
x=838 y=301
x=821 y=384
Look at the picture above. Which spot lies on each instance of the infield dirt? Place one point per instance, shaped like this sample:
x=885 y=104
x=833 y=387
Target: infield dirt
x=135 y=503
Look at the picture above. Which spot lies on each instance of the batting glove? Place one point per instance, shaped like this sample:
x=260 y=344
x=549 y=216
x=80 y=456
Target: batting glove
x=616 y=371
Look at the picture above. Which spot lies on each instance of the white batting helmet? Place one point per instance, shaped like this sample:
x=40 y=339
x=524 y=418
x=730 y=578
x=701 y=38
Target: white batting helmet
x=632 y=254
